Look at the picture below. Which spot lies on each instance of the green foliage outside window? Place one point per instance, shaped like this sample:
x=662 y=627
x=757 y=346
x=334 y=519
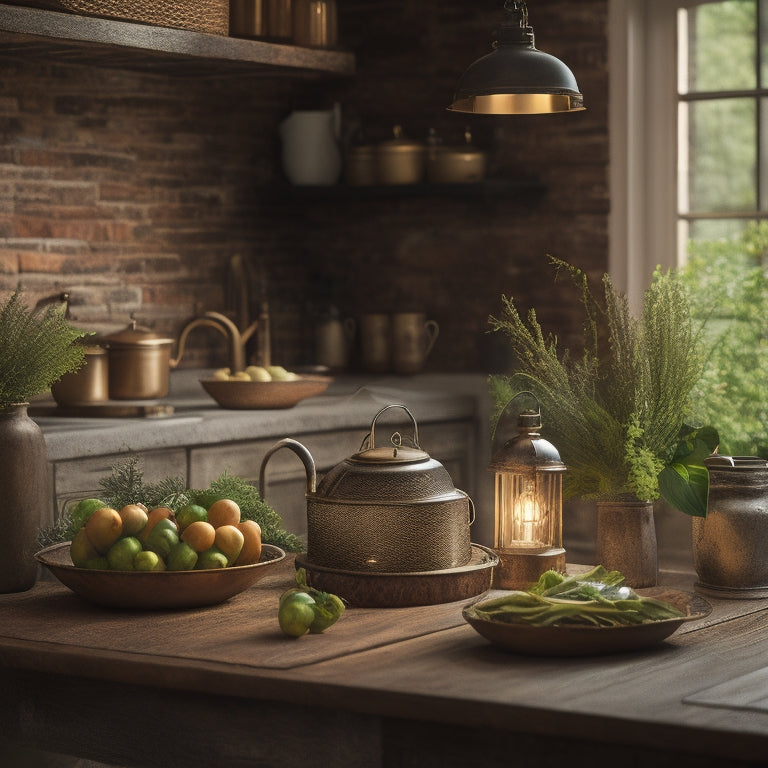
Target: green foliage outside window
x=728 y=285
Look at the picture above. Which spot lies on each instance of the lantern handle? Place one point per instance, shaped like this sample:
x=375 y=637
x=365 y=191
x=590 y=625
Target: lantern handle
x=502 y=412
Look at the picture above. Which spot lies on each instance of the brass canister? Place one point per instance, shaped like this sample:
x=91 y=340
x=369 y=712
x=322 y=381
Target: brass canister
x=247 y=18
x=400 y=161
x=315 y=23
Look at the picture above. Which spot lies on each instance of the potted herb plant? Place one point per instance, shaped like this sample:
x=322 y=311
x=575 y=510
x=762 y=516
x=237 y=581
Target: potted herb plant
x=37 y=347
x=617 y=410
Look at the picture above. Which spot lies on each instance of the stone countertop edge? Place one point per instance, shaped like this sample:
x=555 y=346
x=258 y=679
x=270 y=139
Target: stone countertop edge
x=350 y=402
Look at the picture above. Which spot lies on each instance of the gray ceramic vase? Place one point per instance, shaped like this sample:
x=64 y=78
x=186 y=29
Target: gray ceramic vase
x=730 y=544
x=24 y=490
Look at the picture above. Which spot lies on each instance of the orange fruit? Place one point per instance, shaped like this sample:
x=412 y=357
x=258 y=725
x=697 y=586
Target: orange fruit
x=224 y=512
x=103 y=528
x=251 y=551
x=199 y=535
x=134 y=517
x=229 y=540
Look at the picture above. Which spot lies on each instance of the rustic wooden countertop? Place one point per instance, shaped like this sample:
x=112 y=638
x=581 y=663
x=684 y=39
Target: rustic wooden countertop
x=383 y=687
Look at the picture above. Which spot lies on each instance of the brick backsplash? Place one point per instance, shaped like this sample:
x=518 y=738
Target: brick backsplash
x=133 y=191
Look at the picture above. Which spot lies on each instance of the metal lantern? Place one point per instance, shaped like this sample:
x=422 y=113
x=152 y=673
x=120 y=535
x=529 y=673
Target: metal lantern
x=528 y=506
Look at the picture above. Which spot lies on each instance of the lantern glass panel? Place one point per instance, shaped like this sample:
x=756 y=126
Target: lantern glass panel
x=528 y=511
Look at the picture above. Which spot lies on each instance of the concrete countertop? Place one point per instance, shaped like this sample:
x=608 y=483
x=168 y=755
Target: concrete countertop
x=351 y=401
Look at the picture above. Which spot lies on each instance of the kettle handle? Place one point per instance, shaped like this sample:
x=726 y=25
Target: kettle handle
x=413 y=421
x=302 y=452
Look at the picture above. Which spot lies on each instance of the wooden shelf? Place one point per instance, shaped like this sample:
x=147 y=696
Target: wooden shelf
x=484 y=190
x=72 y=39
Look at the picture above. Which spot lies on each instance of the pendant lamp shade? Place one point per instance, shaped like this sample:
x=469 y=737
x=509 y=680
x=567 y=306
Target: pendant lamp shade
x=516 y=77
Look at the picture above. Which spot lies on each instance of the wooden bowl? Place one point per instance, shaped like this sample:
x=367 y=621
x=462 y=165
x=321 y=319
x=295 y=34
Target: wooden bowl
x=254 y=395
x=578 y=640
x=156 y=589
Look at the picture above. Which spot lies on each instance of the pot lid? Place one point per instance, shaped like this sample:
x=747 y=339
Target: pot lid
x=134 y=335
x=400 y=144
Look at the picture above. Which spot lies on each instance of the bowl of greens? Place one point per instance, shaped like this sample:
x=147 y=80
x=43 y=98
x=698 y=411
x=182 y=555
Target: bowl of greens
x=585 y=614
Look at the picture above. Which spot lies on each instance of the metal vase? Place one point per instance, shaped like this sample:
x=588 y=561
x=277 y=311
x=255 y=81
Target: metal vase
x=730 y=544
x=626 y=541
x=24 y=486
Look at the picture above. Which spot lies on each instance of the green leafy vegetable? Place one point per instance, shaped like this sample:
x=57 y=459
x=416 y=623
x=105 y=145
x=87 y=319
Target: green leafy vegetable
x=597 y=598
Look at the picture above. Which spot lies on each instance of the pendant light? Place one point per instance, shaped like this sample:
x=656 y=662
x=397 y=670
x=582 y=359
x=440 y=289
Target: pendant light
x=516 y=78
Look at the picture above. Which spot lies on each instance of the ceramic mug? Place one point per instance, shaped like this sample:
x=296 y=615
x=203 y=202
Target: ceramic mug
x=375 y=347
x=413 y=337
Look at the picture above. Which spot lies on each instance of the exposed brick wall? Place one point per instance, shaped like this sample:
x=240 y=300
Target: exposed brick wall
x=133 y=191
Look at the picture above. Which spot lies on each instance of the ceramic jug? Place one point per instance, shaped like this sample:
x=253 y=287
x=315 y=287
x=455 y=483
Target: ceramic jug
x=413 y=337
x=311 y=153
x=333 y=338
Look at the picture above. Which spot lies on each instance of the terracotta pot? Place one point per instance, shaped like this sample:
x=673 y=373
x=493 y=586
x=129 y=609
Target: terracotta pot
x=626 y=541
x=24 y=481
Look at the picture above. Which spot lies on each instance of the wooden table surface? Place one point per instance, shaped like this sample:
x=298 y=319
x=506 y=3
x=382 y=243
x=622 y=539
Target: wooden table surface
x=221 y=686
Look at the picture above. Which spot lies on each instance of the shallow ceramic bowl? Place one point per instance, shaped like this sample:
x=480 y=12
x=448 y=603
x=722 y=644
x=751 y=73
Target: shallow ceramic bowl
x=254 y=395
x=156 y=589
x=575 y=640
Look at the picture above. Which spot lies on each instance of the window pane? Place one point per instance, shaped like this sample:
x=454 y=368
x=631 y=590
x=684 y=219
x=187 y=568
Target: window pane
x=728 y=282
x=722 y=155
x=721 y=43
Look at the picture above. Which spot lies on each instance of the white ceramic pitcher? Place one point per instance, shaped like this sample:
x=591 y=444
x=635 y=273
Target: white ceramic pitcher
x=311 y=153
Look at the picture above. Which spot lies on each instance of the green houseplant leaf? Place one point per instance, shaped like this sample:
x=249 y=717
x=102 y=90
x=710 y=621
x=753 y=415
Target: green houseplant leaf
x=684 y=483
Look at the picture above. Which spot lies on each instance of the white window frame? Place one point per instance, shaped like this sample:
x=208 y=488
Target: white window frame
x=642 y=60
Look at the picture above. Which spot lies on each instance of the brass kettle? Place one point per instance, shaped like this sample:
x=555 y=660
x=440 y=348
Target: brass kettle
x=388 y=508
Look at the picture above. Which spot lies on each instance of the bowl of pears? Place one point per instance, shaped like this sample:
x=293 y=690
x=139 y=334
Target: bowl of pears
x=262 y=387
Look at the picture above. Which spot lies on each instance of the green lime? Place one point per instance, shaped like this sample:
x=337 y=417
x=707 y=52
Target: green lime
x=83 y=510
x=191 y=513
x=211 y=558
x=146 y=560
x=163 y=537
x=121 y=554
x=182 y=557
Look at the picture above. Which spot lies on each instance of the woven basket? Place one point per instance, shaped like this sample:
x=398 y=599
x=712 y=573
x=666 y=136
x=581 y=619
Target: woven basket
x=210 y=16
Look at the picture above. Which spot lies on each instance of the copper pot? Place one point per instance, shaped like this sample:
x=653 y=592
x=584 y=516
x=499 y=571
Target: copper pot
x=139 y=363
x=89 y=384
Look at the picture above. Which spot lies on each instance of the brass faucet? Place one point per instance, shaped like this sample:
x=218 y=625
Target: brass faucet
x=236 y=338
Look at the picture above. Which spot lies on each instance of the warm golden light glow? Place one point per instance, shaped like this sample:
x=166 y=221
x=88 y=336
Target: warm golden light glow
x=527 y=512
x=518 y=104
